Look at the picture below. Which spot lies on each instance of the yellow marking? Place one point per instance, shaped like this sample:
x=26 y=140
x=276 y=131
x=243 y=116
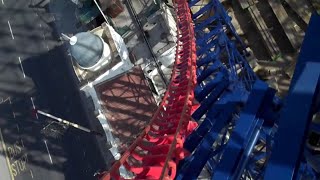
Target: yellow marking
x=5 y=151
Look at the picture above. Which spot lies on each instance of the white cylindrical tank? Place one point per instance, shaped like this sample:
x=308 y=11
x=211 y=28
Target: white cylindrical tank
x=90 y=52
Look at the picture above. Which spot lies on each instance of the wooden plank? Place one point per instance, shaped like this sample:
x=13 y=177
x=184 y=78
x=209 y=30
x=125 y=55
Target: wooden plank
x=295 y=35
x=252 y=2
x=316 y=5
x=302 y=8
x=268 y=39
x=244 y=4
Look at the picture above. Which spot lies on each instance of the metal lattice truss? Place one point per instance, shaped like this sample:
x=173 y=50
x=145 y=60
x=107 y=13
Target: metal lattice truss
x=235 y=127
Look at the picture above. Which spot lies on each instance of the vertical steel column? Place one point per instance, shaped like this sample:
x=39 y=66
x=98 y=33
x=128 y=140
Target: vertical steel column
x=296 y=117
x=244 y=135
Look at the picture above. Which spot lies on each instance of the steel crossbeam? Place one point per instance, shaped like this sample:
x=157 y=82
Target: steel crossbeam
x=193 y=165
x=244 y=135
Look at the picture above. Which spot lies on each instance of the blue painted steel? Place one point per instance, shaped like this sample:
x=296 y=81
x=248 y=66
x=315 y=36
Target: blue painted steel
x=296 y=116
x=206 y=103
x=221 y=76
x=231 y=97
x=255 y=165
x=293 y=125
x=210 y=45
x=223 y=84
x=209 y=58
x=193 y=165
x=233 y=146
x=209 y=70
x=244 y=129
x=259 y=135
x=310 y=49
x=206 y=48
x=206 y=37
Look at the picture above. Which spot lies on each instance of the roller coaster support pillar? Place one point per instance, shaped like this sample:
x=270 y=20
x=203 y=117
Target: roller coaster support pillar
x=296 y=116
x=245 y=134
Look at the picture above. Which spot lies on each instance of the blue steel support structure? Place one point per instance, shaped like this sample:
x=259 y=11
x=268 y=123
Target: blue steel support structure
x=225 y=80
x=296 y=117
x=239 y=115
x=245 y=134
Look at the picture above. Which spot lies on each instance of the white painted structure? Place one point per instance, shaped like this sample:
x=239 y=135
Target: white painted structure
x=123 y=66
x=90 y=51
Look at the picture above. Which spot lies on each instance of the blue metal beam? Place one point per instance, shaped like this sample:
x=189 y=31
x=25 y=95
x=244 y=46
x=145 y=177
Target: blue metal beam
x=293 y=125
x=211 y=99
x=310 y=49
x=245 y=128
x=213 y=114
x=194 y=164
x=208 y=71
x=205 y=48
x=220 y=90
x=221 y=76
x=297 y=113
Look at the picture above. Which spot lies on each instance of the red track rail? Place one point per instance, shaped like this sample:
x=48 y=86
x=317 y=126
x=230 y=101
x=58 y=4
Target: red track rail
x=158 y=149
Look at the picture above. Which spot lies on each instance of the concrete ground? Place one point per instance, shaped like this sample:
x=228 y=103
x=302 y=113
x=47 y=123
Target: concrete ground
x=36 y=72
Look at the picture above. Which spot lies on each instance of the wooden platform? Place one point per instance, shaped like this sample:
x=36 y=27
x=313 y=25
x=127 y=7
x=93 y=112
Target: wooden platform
x=246 y=3
x=291 y=29
x=302 y=8
x=264 y=31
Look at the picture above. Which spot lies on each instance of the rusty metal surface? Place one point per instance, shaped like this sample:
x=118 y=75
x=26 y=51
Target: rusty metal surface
x=128 y=103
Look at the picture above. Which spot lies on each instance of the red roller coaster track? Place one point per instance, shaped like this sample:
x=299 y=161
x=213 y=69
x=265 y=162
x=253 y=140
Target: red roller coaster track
x=158 y=149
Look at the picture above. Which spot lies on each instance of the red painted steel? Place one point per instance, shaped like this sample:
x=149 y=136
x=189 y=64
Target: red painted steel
x=158 y=149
